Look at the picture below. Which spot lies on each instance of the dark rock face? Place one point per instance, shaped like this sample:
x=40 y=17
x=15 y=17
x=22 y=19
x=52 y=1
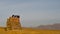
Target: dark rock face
x=54 y=26
x=16 y=16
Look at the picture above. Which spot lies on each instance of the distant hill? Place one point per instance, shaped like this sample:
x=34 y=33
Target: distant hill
x=54 y=26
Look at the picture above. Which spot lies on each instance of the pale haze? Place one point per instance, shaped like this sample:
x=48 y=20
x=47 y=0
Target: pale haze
x=32 y=12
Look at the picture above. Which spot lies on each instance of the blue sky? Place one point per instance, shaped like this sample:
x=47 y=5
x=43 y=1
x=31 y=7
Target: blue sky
x=33 y=12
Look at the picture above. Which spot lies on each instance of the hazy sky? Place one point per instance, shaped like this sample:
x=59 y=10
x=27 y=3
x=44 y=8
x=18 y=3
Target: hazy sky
x=33 y=12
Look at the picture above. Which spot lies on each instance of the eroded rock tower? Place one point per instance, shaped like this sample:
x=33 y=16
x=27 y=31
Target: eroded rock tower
x=13 y=22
